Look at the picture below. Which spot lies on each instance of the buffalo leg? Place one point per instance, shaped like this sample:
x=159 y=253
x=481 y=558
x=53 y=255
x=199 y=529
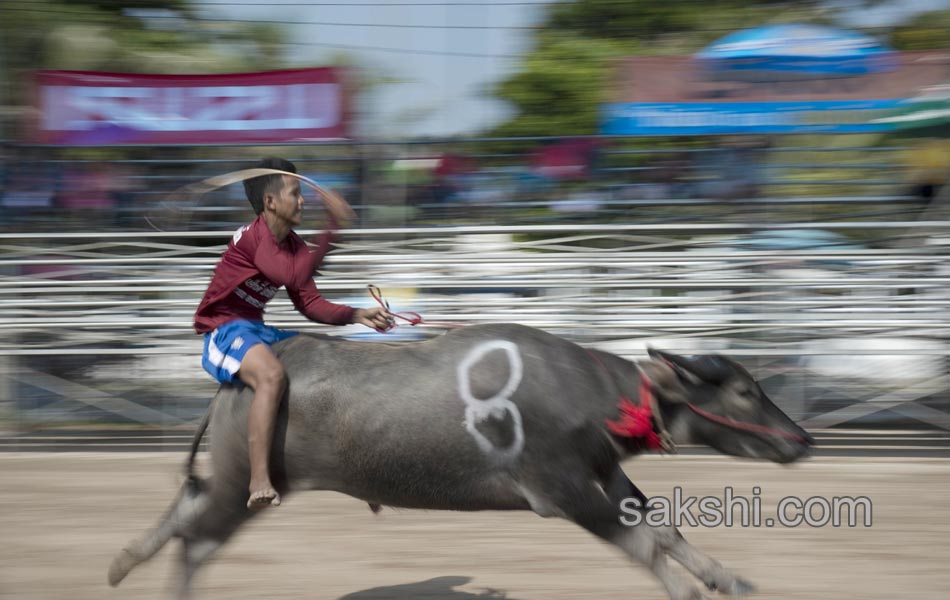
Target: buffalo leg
x=223 y=514
x=193 y=554
x=191 y=501
x=642 y=544
x=714 y=575
x=671 y=541
x=585 y=501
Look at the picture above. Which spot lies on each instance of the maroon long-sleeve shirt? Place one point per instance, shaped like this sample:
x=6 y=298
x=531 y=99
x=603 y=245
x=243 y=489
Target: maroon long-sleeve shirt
x=254 y=267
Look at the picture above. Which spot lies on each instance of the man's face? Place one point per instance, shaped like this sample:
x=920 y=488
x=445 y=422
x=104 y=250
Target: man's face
x=288 y=203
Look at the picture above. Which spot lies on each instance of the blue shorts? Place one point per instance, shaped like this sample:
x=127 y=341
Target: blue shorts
x=226 y=346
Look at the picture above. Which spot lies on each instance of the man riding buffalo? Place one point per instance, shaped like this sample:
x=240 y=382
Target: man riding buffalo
x=261 y=258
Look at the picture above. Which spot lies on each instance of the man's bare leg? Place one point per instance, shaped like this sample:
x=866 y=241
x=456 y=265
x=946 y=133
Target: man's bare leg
x=261 y=370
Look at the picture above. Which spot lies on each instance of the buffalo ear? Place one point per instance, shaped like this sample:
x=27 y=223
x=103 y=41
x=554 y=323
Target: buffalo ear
x=677 y=364
x=708 y=368
x=667 y=384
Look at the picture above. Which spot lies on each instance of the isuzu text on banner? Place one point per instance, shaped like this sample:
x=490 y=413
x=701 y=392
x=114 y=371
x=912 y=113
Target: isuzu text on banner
x=83 y=108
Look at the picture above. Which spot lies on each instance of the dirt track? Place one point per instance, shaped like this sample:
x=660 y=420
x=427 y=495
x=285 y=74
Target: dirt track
x=64 y=516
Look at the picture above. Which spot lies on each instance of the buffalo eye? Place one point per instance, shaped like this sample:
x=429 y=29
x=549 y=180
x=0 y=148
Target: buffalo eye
x=744 y=398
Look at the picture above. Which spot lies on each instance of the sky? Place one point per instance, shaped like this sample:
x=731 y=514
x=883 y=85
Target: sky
x=443 y=56
x=449 y=58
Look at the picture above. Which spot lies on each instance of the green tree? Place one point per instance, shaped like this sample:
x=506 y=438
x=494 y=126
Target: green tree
x=927 y=31
x=560 y=87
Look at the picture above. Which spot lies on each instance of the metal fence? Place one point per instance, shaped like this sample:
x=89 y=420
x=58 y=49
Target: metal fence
x=97 y=328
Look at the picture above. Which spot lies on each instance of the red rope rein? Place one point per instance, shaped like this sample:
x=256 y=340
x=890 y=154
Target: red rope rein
x=411 y=318
x=742 y=425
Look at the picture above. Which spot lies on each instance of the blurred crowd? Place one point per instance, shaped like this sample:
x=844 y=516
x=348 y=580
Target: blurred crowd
x=573 y=179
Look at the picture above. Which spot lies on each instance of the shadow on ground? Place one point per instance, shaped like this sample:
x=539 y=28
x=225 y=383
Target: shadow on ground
x=438 y=588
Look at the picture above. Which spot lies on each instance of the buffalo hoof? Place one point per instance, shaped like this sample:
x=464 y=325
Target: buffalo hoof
x=733 y=586
x=739 y=587
x=121 y=566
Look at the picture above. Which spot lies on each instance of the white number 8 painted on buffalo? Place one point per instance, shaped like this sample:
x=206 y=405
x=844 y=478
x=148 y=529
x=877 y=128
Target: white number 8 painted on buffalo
x=478 y=410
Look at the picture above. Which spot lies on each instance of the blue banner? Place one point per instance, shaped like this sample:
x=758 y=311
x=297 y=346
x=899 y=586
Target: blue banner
x=704 y=118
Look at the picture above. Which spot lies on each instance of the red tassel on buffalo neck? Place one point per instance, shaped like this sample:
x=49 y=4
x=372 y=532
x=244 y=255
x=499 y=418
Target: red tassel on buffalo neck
x=636 y=422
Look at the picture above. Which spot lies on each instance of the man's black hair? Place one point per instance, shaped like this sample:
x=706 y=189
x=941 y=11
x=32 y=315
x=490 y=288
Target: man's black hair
x=256 y=187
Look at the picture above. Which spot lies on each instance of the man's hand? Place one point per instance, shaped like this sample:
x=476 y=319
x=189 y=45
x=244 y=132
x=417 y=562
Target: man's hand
x=377 y=318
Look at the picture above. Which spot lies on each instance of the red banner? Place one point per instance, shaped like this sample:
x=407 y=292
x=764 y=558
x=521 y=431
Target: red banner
x=81 y=108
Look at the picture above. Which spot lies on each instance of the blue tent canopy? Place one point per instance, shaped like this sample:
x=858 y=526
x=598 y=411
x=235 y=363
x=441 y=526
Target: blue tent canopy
x=795 y=51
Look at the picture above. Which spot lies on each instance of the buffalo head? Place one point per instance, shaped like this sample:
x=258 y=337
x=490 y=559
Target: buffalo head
x=714 y=401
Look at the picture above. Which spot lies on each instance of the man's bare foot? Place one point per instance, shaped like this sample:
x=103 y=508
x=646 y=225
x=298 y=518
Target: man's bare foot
x=264 y=496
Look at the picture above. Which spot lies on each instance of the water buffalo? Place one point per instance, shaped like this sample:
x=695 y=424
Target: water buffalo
x=486 y=417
